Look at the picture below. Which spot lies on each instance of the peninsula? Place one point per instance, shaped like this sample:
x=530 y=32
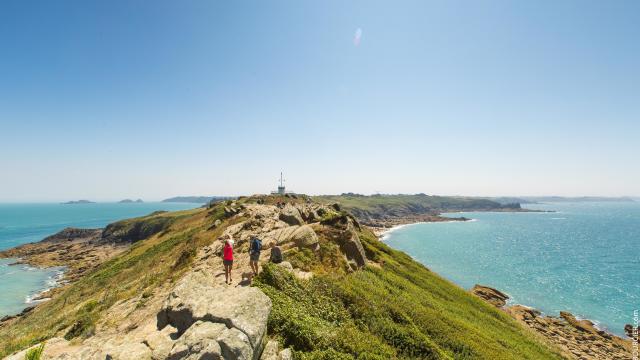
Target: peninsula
x=151 y=288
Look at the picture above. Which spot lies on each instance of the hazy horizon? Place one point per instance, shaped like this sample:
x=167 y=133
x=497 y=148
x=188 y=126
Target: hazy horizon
x=107 y=101
x=115 y=200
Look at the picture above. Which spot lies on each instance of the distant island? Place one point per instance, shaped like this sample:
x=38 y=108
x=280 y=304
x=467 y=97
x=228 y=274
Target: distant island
x=129 y=201
x=75 y=202
x=197 y=199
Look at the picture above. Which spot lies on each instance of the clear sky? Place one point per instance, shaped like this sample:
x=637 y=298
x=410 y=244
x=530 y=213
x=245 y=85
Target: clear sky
x=106 y=100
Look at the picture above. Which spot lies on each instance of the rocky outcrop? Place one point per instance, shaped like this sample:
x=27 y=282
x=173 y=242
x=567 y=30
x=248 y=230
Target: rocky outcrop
x=491 y=295
x=577 y=339
x=132 y=230
x=291 y=215
x=233 y=318
x=352 y=247
x=582 y=325
x=629 y=330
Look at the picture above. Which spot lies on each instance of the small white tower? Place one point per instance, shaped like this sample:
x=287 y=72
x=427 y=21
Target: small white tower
x=281 y=189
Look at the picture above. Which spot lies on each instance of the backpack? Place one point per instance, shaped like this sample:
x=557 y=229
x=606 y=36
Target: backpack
x=256 y=245
x=276 y=255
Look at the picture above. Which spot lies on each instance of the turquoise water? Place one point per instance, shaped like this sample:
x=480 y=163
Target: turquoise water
x=23 y=223
x=584 y=258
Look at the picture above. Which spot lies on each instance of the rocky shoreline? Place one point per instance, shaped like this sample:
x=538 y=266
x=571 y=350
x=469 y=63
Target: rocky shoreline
x=578 y=339
x=76 y=250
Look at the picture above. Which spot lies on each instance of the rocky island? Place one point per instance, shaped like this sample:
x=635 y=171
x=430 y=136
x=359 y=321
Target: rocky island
x=129 y=201
x=77 y=202
x=153 y=288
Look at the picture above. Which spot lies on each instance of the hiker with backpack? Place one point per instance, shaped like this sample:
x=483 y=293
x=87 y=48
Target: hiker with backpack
x=255 y=246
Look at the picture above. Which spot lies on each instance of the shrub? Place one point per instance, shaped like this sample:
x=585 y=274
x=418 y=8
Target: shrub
x=35 y=353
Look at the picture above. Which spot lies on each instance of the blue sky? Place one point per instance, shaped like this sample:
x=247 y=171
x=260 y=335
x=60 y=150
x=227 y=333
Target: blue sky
x=108 y=100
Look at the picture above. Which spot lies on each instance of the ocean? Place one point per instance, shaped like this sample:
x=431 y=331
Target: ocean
x=24 y=223
x=583 y=258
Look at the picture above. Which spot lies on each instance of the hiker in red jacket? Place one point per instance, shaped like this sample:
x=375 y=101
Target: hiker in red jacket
x=227 y=259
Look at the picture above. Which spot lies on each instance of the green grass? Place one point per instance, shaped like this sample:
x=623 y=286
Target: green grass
x=400 y=310
x=35 y=353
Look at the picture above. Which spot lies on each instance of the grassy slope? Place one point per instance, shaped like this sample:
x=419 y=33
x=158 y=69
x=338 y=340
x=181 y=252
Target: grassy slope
x=399 y=310
x=145 y=265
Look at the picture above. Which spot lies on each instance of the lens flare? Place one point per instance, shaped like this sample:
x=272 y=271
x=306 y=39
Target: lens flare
x=357 y=37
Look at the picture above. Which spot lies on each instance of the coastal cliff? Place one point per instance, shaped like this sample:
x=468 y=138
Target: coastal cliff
x=339 y=294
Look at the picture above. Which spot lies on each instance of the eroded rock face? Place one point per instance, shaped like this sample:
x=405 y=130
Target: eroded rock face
x=234 y=318
x=491 y=295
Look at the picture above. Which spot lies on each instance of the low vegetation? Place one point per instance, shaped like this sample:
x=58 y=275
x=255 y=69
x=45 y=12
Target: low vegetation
x=397 y=310
x=35 y=353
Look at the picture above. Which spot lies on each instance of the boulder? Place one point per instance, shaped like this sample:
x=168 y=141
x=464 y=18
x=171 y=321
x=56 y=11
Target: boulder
x=490 y=295
x=194 y=299
x=160 y=342
x=286 y=354
x=286 y=265
x=235 y=345
x=523 y=313
x=280 y=237
x=291 y=215
x=351 y=246
x=270 y=351
x=304 y=236
x=199 y=341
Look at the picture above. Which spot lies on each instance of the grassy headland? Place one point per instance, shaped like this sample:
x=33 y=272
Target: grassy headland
x=388 y=210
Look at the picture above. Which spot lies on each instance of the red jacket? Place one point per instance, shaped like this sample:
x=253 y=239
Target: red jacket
x=228 y=252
